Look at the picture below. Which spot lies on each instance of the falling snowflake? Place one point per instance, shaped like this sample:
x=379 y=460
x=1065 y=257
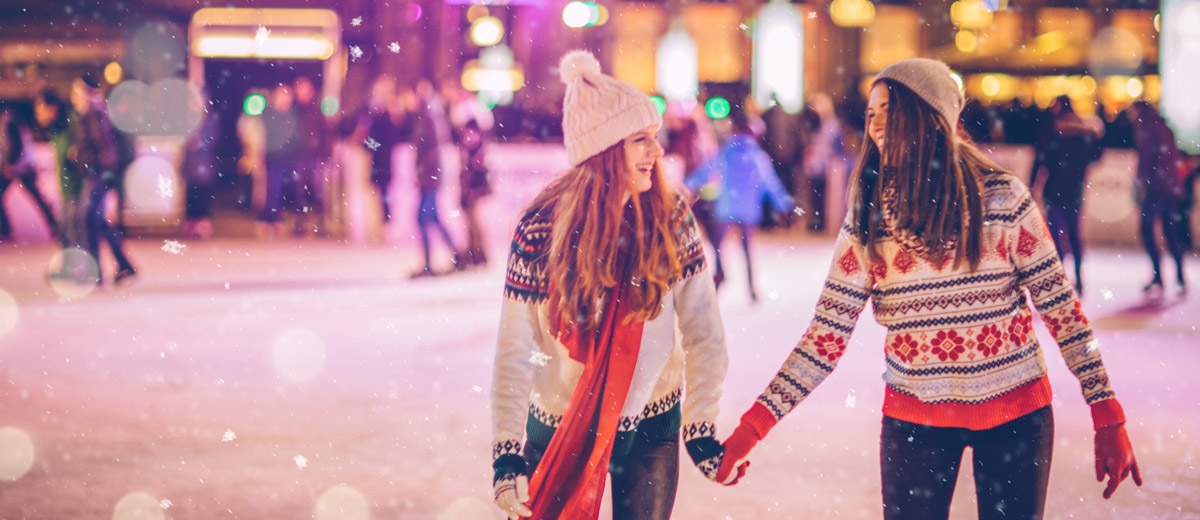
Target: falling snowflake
x=166 y=189
x=229 y=436
x=1108 y=295
x=357 y=21
x=173 y=246
x=477 y=389
x=812 y=15
x=226 y=285
x=539 y=358
x=165 y=504
x=1092 y=346
x=743 y=27
x=851 y=400
x=394 y=47
x=261 y=34
x=355 y=53
x=799 y=211
x=372 y=143
x=301 y=462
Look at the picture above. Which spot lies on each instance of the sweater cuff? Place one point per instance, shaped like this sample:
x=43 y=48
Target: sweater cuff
x=1107 y=413
x=759 y=419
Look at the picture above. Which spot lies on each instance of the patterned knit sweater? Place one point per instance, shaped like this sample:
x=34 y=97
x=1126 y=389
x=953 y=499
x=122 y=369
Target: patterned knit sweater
x=534 y=376
x=960 y=350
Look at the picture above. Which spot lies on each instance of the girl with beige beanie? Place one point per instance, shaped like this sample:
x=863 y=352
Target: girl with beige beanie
x=950 y=249
x=606 y=265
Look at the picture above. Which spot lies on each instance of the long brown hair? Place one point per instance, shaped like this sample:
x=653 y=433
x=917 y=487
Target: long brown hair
x=939 y=182
x=585 y=206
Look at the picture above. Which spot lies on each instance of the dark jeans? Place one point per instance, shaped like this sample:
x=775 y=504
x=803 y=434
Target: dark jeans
x=643 y=481
x=1012 y=467
x=97 y=224
x=1063 y=221
x=1169 y=211
x=719 y=230
x=427 y=215
x=30 y=183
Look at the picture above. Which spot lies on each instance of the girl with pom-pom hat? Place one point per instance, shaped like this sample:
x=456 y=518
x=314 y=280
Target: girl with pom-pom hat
x=606 y=264
x=951 y=250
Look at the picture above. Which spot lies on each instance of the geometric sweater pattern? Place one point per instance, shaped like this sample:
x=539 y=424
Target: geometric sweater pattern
x=960 y=350
x=534 y=376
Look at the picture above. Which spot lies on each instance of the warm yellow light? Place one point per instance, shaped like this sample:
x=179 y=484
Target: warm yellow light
x=970 y=14
x=1134 y=88
x=1158 y=22
x=476 y=12
x=852 y=13
x=966 y=42
x=113 y=73
x=247 y=47
x=476 y=79
x=990 y=85
x=1088 y=85
x=487 y=31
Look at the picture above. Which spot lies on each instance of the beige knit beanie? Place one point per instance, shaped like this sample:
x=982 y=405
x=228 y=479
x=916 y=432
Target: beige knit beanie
x=931 y=80
x=599 y=111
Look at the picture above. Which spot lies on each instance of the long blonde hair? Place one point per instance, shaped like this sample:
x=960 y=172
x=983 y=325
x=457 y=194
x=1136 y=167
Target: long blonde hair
x=939 y=184
x=589 y=222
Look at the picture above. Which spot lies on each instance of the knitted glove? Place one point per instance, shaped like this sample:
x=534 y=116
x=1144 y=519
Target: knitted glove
x=755 y=424
x=511 y=486
x=707 y=453
x=1114 y=453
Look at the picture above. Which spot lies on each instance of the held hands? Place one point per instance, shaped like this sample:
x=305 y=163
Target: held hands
x=737 y=448
x=512 y=496
x=1114 y=457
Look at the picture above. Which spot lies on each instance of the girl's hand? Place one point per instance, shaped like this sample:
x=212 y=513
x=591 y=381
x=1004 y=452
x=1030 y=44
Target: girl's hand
x=512 y=496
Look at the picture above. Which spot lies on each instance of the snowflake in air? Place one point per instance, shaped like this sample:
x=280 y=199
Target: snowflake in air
x=372 y=143
x=1092 y=346
x=174 y=247
x=355 y=52
x=477 y=389
x=301 y=462
x=357 y=21
x=743 y=27
x=539 y=358
x=851 y=400
x=394 y=47
x=166 y=188
x=165 y=504
x=1108 y=295
x=229 y=436
x=261 y=34
x=799 y=211
x=812 y=15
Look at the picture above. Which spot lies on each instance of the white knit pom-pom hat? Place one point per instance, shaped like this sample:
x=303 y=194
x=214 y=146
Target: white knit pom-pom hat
x=598 y=110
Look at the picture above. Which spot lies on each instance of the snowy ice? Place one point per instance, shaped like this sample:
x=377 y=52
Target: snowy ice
x=394 y=47
x=174 y=247
x=301 y=462
x=539 y=358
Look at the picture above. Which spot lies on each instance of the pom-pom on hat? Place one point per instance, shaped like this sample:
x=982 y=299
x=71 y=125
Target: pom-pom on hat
x=598 y=110
x=931 y=80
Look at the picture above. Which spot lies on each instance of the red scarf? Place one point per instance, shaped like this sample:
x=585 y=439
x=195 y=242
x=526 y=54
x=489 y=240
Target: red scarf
x=569 y=481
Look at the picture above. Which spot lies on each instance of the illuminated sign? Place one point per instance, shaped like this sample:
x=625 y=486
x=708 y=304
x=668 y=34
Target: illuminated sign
x=778 y=69
x=1179 y=53
x=219 y=32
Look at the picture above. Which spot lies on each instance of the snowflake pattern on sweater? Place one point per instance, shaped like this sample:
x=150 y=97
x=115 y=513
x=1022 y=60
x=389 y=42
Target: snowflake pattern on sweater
x=955 y=337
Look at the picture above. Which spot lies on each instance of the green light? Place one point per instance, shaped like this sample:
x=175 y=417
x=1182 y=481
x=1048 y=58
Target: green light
x=717 y=108
x=329 y=106
x=659 y=104
x=254 y=105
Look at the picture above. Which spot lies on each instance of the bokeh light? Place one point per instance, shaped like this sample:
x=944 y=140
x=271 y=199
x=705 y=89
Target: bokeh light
x=176 y=107
x=966 y=41
x=298 y=355
x=138 y=506
x=476 y=12
x=158 y=50
x=413 y=12
x=254 y=105
x=113 y=73
x=330 y=106
x=128 y=106
x=16 y=453
x=466 y=509
x=8 y=313
x=1134 y=87
x=577 y=14
x=345 y=503
x=717 y=108
x=659 y=104
x=73 y=273
x=487 y=31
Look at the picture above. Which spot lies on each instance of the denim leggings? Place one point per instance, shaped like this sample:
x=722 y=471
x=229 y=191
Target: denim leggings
x=1012 y=467
x=643 y=481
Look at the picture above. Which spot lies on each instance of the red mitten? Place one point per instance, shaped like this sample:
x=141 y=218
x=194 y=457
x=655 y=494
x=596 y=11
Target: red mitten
x=1114 y=453
x=755 y=424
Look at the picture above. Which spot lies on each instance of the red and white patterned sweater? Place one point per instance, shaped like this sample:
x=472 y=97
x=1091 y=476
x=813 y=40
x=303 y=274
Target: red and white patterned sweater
x=960 y=350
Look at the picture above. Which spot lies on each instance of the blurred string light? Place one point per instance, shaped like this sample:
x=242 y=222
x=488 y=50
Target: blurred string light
x=659 y=104
x=717 y=108
x=476 y=12
x=966 y=42
x=970 y=14
x=254 y=104
x=578 y=14
x=1134 y=88
x=486 y=31
x=995 y=5
x=264 y=33
x=113 y=73
x=778 y=60
x=677 y=76
x=330 y=106
x=852 y=13
x=494 y=76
